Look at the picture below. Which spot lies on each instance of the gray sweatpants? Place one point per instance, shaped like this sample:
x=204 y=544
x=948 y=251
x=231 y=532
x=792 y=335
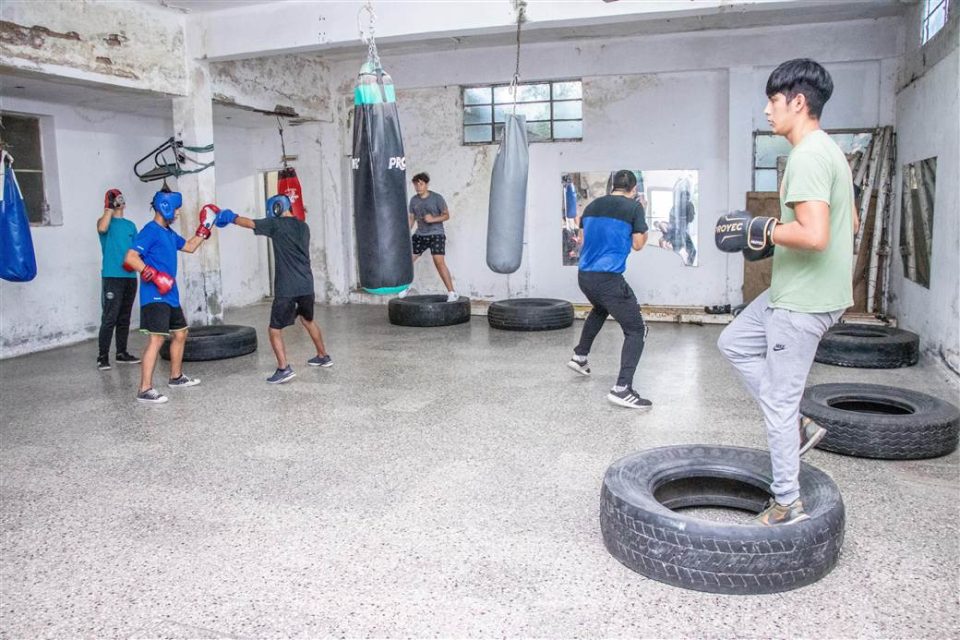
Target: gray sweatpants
x=773 y=350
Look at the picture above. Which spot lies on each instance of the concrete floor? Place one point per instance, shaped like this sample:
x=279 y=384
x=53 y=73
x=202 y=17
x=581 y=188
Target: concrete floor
x=433 y=483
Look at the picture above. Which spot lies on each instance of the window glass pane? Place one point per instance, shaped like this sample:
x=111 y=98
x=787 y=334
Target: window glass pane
x=566 y=90
x=569 y=129
x=538 y=131
x=937 y=18
x=765 y=180
x=498 y=132
x=568 y=110
x=534 y=111
x=525 y=93
x=477 y=95
x=22 y=137
x=480 y=133
x=767 y=150
x=476 y=115
x=31 y=186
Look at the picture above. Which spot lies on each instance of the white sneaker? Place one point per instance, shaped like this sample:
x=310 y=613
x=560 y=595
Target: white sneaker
x=403 y=294
x=452 y=296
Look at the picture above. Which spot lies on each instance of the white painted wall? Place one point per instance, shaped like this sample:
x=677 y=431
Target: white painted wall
x=95 y=151
x=928 y=125
x=676 y=101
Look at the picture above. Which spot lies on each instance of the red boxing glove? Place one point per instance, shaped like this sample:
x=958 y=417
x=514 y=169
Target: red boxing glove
x=208 y=217
x=163 y=281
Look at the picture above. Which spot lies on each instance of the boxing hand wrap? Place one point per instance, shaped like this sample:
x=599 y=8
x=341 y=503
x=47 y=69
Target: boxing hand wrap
x=226 y=217
x=738 y=230
x=163 y=281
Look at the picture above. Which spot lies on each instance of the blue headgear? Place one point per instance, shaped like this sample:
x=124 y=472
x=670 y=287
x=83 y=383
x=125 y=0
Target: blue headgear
x=166 y=204
x=277 y=205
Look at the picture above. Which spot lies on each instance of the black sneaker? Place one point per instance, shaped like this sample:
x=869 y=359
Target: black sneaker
x=282 y=375
x=320 y=361
x=580 y=367
x=103 y=363
x=811 y=434
x=151 y=396
x=630 y=399
x=126 y=358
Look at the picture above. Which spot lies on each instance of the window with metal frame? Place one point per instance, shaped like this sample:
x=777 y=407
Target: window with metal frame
x=933 y=18
x=20 y=136
x=768 y=147
x=554 y=111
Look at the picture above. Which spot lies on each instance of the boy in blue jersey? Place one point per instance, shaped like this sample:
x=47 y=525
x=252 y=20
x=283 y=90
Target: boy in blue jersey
x=154 y=257
x=119 y=286
x=612 y=226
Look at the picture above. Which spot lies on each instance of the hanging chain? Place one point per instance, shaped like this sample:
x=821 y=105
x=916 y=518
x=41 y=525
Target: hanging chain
x=521 y=6
x=369 y=38
x=283 y=148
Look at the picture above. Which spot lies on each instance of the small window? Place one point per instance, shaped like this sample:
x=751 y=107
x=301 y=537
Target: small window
x=554 y=111
x=770 y=152
x=20 y=136
x=934 y=17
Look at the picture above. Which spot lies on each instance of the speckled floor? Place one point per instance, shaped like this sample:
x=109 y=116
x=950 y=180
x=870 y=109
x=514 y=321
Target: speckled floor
x=433 y=483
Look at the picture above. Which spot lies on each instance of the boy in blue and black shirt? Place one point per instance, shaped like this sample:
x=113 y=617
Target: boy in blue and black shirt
x=612 y=226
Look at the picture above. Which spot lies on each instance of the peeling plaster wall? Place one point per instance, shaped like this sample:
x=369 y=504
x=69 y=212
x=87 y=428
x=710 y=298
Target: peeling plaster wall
x=243 y=155
x=95 y=151
x=928 y=125
x=297 y=82
x=679 y=101
x=131 y=44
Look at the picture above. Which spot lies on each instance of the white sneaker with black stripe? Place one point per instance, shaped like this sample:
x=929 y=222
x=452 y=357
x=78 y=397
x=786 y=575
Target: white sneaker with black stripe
x=629 y=398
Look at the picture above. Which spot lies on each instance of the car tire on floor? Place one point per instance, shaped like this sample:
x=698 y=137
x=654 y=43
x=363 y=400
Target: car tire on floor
x=868 y=347
x=879 y=421
x=643 y=531
x=530 y=314
x=428 y=311
x=215 y=342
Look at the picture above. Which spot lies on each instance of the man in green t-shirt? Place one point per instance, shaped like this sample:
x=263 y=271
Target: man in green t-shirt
x=773 y=341
x=119 y=286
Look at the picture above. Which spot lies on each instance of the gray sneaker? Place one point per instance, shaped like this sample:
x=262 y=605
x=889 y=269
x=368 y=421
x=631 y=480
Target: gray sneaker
x=811 y=434
x=151 y=396
x=182 y=382
x=776 y=513
x=320 y=361
x=282 y=375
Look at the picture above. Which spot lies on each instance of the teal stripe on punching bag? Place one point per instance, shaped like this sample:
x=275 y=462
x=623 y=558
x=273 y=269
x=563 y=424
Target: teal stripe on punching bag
x=370 y=94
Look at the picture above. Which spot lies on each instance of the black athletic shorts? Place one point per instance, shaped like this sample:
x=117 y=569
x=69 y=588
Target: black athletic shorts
x=285 y=311
x=437 y=244
x=160 y=318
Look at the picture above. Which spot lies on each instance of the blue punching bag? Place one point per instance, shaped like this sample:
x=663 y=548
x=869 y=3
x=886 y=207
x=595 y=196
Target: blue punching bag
x=18 y=263
x=384 y=252
x=508 y=198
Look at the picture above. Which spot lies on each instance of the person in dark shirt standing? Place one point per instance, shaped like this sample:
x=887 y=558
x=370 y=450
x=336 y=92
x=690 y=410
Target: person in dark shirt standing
x=293 y=293
x=119 y=288
x=613 y=225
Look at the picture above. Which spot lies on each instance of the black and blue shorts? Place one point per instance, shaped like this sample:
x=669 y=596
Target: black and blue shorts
x=285 y=310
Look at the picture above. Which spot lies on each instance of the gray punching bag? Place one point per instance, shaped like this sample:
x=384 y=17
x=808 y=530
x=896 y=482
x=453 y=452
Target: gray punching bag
x=508 y=198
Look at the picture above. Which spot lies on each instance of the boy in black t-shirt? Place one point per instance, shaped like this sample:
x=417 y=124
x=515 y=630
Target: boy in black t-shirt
x=293 y=279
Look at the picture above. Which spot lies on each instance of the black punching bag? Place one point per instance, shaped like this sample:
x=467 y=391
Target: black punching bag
x=384 y=253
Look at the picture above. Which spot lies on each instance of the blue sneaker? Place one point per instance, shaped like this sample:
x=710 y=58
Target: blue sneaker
x=282 y=375
x=320 y=361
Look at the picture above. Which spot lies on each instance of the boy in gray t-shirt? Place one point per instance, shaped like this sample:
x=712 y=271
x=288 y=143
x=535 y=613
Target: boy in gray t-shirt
x=429 y=210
